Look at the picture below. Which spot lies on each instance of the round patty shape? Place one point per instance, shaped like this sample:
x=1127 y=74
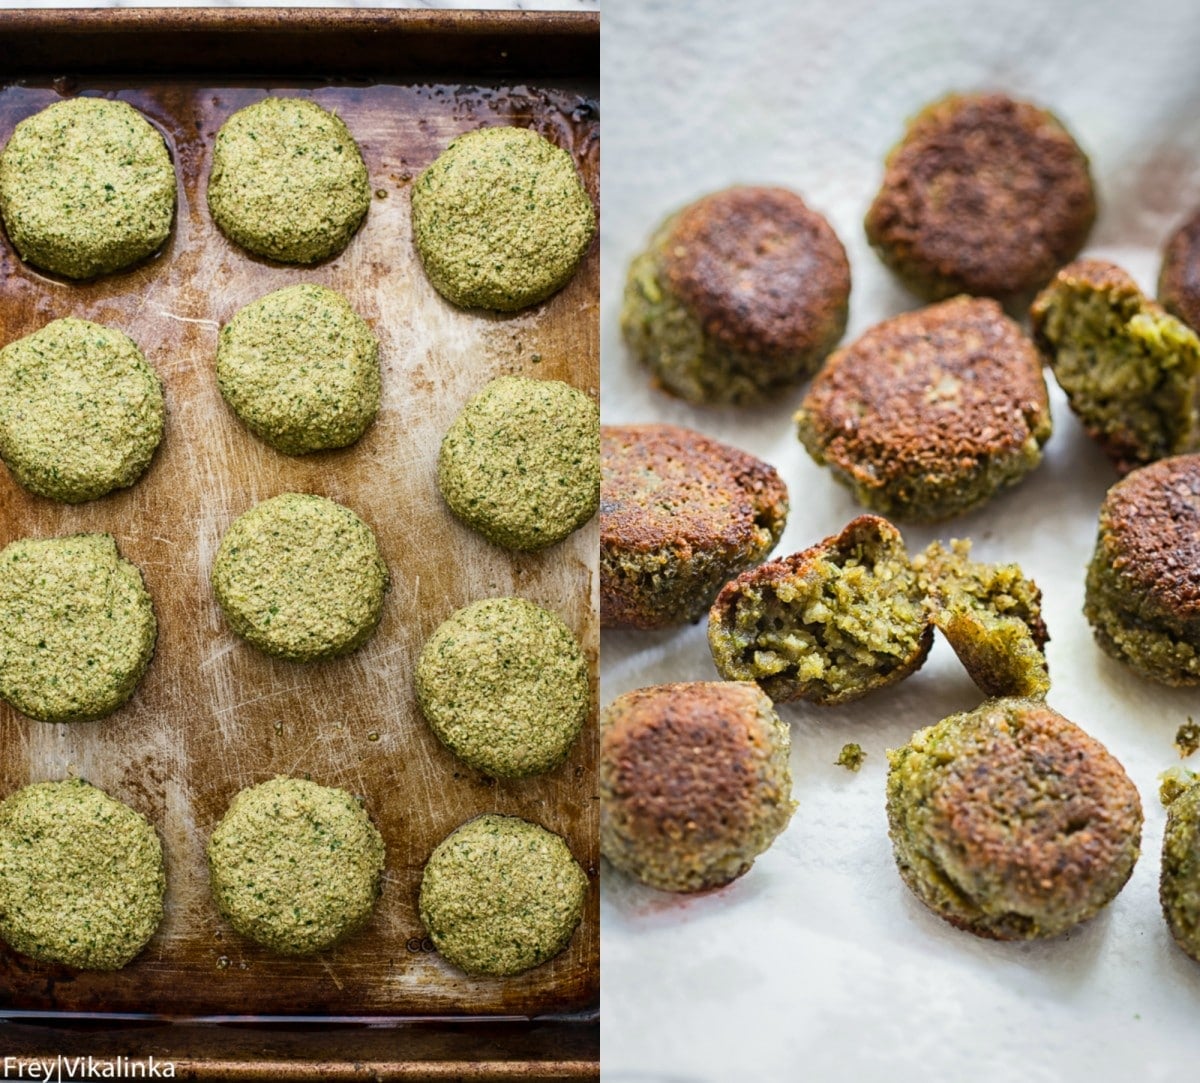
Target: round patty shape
x=1131 y=371
x=828 y=624
x=680 y=515
x=1179 y=881
x=300 y=577
x=81 y=412
x=1011 y=822
x=1143 y=584
x=301 y=369
x=521 y=463
x=983 y=195
x=295 y=866
x=930 y=413
x=1179 y=279
x=501 y=219
x=288 y=181
x=77 y=628
x=694 y=782
x=81 y=876
x=504 y=686
x=738 y=296
x=501 y=895
x=86 y=187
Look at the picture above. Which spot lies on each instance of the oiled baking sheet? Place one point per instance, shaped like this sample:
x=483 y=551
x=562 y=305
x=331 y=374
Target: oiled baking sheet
x=212 y=714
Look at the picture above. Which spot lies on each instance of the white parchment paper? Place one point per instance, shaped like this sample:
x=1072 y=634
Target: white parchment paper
x=818 y=964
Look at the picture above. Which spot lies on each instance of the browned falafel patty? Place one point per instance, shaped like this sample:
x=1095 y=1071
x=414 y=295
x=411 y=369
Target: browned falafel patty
x=983 y=195
x=932 y=412
x=680 y=515
x=1179 y=279
x=740 y=294
x=694 y=782
x=1011 y=822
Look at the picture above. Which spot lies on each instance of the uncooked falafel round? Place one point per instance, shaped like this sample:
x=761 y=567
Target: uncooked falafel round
x=1010 y=822
x=694 y=782
x=738 y=296
x=295 y=866
x=983 y=195
x=501 y=895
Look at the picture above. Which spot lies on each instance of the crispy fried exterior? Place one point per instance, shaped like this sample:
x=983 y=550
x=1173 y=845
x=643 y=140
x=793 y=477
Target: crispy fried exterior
x=1010 y=822
x=983 y=195
x=694 y=782
x=1179 y=279
x=930 y=413
x=680 y=515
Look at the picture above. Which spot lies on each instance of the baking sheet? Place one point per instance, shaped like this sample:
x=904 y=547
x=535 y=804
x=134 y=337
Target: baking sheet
x=819 y=964
x=212 y=714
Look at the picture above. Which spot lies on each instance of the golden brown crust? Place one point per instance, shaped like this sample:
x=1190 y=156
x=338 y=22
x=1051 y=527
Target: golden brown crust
x=984 y=195
x=1179 y=280
x=761 y=271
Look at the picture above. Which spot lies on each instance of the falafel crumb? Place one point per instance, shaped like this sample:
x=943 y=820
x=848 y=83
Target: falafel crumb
x=1187 y=738
x=851 y=757
x=1173 y=783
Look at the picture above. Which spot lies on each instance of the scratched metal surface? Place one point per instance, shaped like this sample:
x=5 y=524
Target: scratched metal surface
x=213 y=715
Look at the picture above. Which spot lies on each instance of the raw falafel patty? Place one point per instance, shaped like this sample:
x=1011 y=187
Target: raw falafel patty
x=81 y=876
x=295 y=866
x=828 y=624
x=86 y=187
x=1179 y=278
x=738 y=296
x=81 y=412
x=991 y=614
x=694 y=782
x=932 y=412
x=521 y=463
x=501 y=219
x=1179 y=881
x=300 y=577
x=504 y=685
x=501 y=895
x=1011 y=822
x=1131 y=371
x=77 y=628
x=301 y=369
x=1143 y=583
x=288 y=181
x=983 y=195
x=680 y=515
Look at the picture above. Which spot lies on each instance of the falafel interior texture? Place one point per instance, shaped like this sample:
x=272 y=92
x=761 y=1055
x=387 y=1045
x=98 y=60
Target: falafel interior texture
x=1131 y=372
x=827 y=625
x=991 y=615
x=1179 y=883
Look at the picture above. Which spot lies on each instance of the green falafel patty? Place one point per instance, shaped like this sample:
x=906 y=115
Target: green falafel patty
x=501 y=219
x=86 y=187
x=504 y=686
x=694 y=782
x=1130 y=370
x=521 y=462
x=295 y=866
x=501 y=895
x=1179 y=881
x=77 y=627
x=829 y=624
x=81 y=412
x=81 y=876
x=288 y=181
x=301 y=369
x=300 y=577
x=1010 y=822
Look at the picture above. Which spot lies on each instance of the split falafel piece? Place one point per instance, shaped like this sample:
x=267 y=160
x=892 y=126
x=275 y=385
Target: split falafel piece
x=991 y=614
x=81 y=876
x=1142 y=596
x=739 y=296
x=983 y=195
x=1179 y=880
x=1179 y=277
x=1131 y=371
x=828 y=624
x=694 y=782
x=930 y=413
x=680 y=515
x=1010 y=822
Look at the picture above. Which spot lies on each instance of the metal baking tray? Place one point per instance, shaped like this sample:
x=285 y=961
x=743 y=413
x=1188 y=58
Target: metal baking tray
x=212 y=715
